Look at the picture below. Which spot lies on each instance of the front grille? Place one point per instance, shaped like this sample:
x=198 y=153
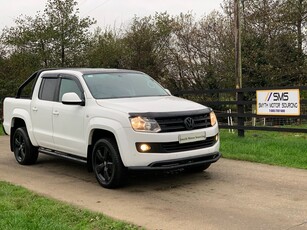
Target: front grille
x=176 y=147
x=175 y=124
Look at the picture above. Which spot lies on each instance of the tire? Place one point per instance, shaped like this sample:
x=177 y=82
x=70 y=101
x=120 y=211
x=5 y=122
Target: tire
x=25 y=153
x=198 y=168
x=107 y=164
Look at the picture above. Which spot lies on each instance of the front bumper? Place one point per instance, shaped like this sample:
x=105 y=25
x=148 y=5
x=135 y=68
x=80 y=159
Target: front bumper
x=180 y=163
x=170 y=151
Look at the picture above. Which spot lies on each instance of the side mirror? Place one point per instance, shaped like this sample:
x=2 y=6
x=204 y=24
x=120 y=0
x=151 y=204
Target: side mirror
x=72 y=99
x=169 y=92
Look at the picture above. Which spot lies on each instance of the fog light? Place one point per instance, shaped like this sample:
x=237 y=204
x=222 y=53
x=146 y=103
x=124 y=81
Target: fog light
x=216 y=137
x=144 y=147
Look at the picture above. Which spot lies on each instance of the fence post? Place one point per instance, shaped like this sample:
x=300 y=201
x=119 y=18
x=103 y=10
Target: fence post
x=240 y=109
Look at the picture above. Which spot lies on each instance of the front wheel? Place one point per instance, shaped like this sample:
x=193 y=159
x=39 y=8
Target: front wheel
x=107 y=165
x=25 y=153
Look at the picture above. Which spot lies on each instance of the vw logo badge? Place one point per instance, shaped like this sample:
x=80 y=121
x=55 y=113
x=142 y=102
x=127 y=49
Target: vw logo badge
x=189 y=123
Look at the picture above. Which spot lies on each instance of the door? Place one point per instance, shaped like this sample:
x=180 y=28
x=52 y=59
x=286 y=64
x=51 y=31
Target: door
x=41 y=111
x=68 y=120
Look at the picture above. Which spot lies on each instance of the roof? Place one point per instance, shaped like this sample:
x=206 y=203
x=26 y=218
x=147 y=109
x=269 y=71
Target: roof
x=80 y=70
x=95 y=70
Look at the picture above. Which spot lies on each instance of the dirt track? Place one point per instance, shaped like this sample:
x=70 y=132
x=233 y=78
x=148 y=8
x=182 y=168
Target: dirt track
x=230 y=195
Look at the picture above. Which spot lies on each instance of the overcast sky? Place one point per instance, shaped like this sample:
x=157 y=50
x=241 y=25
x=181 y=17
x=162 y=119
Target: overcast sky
x=112 y=13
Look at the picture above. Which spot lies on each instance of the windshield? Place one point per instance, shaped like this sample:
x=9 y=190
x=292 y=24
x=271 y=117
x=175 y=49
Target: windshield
x=121 y=85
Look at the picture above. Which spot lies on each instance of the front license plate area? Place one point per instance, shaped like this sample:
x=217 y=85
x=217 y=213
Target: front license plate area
x=192 y=137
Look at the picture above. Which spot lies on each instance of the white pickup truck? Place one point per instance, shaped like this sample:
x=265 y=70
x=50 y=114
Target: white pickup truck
x=112 y=120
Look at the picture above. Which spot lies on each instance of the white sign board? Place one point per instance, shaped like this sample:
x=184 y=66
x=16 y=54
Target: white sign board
x=283 y=102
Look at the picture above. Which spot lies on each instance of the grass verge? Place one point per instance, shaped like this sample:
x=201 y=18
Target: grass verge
x=22 y=209
x=274 y=148
x=1 y=130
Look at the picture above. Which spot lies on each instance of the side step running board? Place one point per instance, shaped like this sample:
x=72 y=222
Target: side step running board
x=62 y=155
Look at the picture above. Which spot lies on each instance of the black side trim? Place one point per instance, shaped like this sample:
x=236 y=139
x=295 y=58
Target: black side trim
x=180 y=163
x=63 y=155
x=81 y=103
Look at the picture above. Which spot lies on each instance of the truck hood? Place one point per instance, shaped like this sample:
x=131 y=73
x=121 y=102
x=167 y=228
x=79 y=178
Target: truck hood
x=150 y=104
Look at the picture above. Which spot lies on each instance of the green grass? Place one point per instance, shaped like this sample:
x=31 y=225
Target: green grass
x=22 y=209
x=1 y=130
x=274 y=148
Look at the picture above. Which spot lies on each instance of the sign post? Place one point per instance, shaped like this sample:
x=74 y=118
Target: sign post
x=238 y=68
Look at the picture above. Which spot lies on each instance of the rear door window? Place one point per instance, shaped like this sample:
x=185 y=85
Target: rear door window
x=48 y=89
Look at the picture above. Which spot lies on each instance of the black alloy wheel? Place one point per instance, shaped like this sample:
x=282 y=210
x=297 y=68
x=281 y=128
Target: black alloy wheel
x=104 y=164
x=25 y=153
x=19 y=147
x=107 y=164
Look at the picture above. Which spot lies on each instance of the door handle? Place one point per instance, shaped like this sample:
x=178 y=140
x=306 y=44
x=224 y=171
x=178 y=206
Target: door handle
x=56 y=113
x=34 y=109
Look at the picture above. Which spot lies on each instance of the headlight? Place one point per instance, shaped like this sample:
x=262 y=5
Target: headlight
x=144 y=124
x=213 y=118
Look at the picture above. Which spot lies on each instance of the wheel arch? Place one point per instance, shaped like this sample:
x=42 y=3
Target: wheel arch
x=21 y=118
x=16 y=123
x=94 y=136
x=25 y=153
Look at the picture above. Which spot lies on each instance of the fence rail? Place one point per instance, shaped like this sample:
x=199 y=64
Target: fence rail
x=236 y=109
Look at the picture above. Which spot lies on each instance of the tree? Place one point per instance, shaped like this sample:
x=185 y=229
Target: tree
x=105 y=49
x=295 y=15
x=146 y=42
x=58 y=37
x=69 y=32
x=270 y=55
x=202 y=52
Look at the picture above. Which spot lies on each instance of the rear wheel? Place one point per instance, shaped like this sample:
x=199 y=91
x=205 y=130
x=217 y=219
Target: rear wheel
x=25 y=153
x=107 y=165
x=198 y=168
